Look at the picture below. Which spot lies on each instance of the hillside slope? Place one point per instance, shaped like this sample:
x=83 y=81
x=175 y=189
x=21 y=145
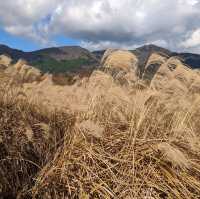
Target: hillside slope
x=55 y=60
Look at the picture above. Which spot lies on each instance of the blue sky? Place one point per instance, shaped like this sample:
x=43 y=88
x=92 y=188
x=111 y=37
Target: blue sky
x=27 y=44
x=17 y=42
x=100 y=24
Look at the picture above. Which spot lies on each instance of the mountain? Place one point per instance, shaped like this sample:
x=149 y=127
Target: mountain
x=99 y=53
x=14 y=53
x=63 y=59
x=56 y=59
x=144 y=52
x=193 y=60
x=75 y=59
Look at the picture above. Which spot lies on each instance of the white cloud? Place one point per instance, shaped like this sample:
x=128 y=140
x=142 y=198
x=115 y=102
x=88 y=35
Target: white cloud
x=109 y=44
x=104 y=23
x=24 y=17
x=106 y=44
x=193 y=40
x=25 y=12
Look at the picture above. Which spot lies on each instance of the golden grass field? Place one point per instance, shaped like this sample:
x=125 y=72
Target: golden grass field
x=99 y=138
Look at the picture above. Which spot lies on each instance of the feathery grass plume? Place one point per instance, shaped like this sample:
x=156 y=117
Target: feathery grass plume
x=109 y=141
x=25 y=147
x=145 y=150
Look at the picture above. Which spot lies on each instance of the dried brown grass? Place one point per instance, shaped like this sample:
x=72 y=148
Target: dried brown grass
x=29 y=137
x=125 y=143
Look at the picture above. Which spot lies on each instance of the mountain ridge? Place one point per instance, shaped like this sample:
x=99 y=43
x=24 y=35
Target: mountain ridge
x=76 y=58
x=55 y=59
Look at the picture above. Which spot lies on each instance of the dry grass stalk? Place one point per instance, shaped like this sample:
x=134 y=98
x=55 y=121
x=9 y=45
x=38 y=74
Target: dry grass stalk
x=125 y=144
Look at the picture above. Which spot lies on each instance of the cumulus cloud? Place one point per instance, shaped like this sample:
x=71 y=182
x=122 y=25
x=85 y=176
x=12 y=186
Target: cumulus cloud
x=100 y=24
x=105 y=45
x=27 y=18
x=92 y=45
x=193 y=40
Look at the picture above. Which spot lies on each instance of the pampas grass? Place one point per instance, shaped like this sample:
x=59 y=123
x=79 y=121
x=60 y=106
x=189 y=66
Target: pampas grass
x=124 y=143
x=29 y=137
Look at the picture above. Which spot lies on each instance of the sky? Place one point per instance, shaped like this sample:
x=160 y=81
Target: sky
x=99 y=24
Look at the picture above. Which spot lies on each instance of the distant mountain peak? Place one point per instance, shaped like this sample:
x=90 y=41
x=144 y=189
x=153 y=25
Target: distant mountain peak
x=54 y=57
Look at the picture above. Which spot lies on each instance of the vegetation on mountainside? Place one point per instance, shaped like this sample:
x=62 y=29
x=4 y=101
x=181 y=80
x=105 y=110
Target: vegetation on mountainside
x=50 y=65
